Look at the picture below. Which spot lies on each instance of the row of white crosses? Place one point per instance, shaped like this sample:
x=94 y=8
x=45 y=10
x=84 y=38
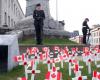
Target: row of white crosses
x=96 y=53
x=28 y=63
x=52 y=73
x=70 y=58
x=76 y=66
x=88 y=58
x=24 y=60
x=60 y=55
x=33 y=56
x=90 y=55
x=77 y=72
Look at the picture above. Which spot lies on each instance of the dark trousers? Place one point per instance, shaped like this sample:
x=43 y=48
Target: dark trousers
x=84 y=30
x=39 y=33
x=84 y=39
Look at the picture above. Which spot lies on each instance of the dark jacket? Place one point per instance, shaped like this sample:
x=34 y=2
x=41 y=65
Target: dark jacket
x=85 y=24
x=86 y=28
x=38 y=16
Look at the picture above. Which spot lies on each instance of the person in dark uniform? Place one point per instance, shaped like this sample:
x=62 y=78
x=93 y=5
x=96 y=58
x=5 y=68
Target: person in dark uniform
x=85 y=29
x=39 y=17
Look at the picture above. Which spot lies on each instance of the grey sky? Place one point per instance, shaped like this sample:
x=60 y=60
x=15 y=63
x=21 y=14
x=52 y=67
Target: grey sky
x=74 y=12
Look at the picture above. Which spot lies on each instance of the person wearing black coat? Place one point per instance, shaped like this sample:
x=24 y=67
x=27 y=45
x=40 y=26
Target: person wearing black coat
x=85 y=30
x=39 y=17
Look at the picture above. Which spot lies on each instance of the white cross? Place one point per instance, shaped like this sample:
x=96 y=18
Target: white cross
x=46 y=51
x=77 y=68
x=88 y=61
x=33 y=71
x=48 y=62
x=22 y=61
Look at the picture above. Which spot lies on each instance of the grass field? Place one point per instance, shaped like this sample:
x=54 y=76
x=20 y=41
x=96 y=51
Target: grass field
x=19 y=72
x=47 y=41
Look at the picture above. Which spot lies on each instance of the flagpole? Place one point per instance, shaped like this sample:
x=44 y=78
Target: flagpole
x=57 y=12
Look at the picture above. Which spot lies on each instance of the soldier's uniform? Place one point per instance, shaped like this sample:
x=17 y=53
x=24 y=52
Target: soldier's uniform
x=39 y=17
x=84 y=30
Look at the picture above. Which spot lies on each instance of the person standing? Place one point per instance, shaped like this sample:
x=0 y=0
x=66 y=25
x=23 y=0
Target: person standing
x=85 y=30
x=39 y=16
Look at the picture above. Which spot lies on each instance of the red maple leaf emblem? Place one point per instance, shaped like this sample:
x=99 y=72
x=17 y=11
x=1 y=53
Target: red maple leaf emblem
x=53 y=75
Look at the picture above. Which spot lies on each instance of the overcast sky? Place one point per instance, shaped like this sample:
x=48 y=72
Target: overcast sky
x=74 y=12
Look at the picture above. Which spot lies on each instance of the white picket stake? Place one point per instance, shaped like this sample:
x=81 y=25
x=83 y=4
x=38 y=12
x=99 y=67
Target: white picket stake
x=95 y=58
x=24 y=63
x=53 y=62
x=33 y=73
x=70 y=63
x=78 y=73
x=77 y=70
x=26 y=75
x=70 y=69
x=25 y=68
x=61 y=60
x=46 y=51
x=89 y=67
x=62 y=64
x=48 y=62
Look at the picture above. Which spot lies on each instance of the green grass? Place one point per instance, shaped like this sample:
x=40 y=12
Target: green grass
x=47 y=41
x=19 y=72
x=12 y=75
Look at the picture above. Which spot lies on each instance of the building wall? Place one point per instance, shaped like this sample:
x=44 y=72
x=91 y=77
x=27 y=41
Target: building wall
x=74 y=34
x=11 y=12
x=31 y=6
x=0 y=11
x=77 y=39
x=95 y=34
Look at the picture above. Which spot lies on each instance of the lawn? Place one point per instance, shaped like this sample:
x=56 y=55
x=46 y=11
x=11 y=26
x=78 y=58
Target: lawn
x=47 y=41
x=19 y=72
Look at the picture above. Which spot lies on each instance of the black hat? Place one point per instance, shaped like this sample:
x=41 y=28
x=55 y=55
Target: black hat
x=38 y=4
x=87 y=19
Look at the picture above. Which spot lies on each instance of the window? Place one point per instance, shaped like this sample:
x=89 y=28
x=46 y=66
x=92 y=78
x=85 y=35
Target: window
x=14 y=23
x=12 y=4
x=99 y=33
x=97 y=40
x=5 y=18
x=8 y=21
x=94 y=34
x=14 y=8
x=11 y=22
x=9 y=2
x=0 y=19
x=16 y=11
